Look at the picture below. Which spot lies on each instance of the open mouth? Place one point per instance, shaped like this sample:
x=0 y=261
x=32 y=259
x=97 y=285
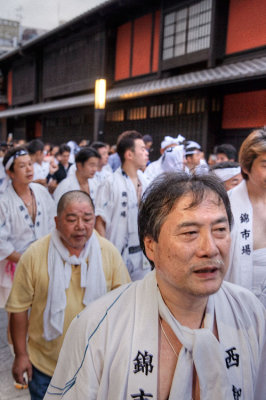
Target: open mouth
x=206 y=270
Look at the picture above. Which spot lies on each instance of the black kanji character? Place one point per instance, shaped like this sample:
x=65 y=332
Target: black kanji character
x=244 y=218
x=142 y=395
x=245 y=234
x=143 y=362
x=236 y=393
x=232 y=359
x=246 y=249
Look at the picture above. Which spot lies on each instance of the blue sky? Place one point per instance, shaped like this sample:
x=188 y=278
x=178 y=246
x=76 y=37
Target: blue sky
x=44 y=14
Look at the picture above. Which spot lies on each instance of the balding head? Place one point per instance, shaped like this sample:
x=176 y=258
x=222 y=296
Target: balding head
x=73 y=195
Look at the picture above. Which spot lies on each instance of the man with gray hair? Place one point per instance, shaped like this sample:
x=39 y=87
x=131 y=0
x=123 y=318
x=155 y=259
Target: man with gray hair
x=180 y=332
x=55 y=279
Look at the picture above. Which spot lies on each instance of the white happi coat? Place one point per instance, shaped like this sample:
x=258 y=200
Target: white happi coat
x=17 y=230
x=40 y=170
x=116 y=200
x=71 y=183
x=153 y=169
x=241 y=269
x=111 y=348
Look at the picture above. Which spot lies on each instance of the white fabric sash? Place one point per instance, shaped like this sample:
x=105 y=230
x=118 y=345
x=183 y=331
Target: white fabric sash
x=218 y=363
x=132 y=224
x=59 y=270
x=240 y=269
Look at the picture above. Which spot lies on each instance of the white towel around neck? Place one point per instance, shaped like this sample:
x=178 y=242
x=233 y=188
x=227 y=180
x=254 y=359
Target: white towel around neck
x=60 y=269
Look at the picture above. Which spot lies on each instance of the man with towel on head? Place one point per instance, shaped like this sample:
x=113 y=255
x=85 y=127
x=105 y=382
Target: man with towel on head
x=229 y=172
x=55 y=279
x=181 y=332
x=172 y=158
x=248 y=200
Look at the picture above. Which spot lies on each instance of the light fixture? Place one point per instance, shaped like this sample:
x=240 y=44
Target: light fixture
x=100 y=94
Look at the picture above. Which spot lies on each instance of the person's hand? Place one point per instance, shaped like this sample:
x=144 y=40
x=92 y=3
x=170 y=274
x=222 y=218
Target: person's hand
x=53 y=167
x=21 y=365
x=52 y=185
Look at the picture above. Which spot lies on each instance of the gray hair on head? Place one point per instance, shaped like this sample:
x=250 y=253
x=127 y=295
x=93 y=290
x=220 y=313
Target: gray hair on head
x=73 y=195
x=164 y=192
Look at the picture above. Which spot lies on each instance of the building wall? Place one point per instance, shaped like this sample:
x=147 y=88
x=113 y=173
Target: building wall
x=137 y=47
x=246 y=25
x=244 y=110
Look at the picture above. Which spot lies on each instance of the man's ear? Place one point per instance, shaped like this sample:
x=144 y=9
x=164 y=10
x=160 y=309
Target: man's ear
x=149 y=244
x=128 y=154
x=56 y=221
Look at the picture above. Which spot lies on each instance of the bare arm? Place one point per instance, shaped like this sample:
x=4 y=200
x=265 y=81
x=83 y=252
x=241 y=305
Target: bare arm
x=19 y=329
x=14 y=257
x=100 y=226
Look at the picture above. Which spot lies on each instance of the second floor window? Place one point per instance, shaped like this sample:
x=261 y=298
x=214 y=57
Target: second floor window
x=187 y=30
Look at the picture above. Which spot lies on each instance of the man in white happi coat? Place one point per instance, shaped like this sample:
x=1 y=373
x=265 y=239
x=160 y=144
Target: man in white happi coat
x=87 y=160
x=104 y=169
x=41 y=168
x=248 y=201
x=181 y=332
x=162 y=164
x=26 y=214
x=56 y=278
x=117 y=203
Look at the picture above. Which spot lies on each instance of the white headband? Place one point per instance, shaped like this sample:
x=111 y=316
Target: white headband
x=227 y=173
x=12 y=158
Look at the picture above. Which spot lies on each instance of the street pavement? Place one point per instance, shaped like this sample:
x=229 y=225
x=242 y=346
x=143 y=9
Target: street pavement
x=7 y=390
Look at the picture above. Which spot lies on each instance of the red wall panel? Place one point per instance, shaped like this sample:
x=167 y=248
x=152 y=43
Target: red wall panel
x=156 y=40
x=246 y=25
x=38 y=129
x=142 y=45
x=122 y=57
x=2 y=107
x=244 y=110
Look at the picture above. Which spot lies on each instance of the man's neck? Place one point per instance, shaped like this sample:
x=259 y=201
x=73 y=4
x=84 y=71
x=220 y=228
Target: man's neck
x=256 y=193
x=188 y=310
x=21 y=189
x=130 y=170
x=81 y=179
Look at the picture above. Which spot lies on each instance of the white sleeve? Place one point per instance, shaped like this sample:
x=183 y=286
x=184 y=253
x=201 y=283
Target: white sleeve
x=6 y=247
x=104 y=202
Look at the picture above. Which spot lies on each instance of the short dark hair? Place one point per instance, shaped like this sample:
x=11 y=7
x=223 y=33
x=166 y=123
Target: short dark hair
x=12 y=152
x=85 y=154
x=64 y=148
x=228 y=149
x=126 y=141
x=225 y=164
x=73 y=195
x=35 y=145
x=252 y=147
x=98 y=145
x=163 y=193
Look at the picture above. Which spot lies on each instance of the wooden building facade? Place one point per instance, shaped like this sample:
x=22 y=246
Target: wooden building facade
x=194 y=67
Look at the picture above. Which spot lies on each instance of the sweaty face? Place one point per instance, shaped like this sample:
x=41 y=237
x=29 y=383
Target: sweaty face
x=232 y=182
x=23 y=170
x=89 y=167
x=140 y=154
x=75 y=225
x=191 y=254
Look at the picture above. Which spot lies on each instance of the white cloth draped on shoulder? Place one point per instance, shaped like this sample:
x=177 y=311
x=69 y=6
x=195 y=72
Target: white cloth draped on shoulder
x=115 y=354
x=60 y=269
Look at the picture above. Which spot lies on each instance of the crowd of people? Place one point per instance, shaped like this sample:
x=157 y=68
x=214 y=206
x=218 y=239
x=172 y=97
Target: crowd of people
x=182 y=240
